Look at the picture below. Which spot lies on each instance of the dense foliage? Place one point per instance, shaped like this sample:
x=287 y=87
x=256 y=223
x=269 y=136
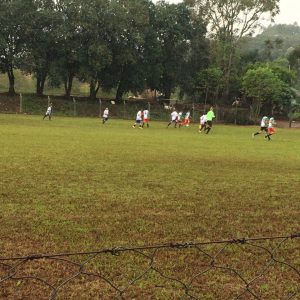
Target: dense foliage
x=125 y=45
x=201 y=49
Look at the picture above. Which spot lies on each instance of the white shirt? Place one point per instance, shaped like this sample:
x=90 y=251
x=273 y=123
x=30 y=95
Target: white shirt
x=179 y=116
x=105 y=113
x=202 y=119
x=145 y=113
x=139 y=116
x=48 y=110
x=174 y=115
x=271 y=123
x=187 y=115
x=263 y=122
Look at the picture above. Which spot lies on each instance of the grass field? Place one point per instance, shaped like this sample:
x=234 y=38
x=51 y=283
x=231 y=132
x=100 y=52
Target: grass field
x=73 y=184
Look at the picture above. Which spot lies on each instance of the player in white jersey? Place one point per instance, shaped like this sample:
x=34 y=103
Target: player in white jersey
x=202 y=123
x=263 y=126
x=138 y=119
x=146 y=118
x=174 y=118
x=48 y=112
x=271 y=129
x=105 y=115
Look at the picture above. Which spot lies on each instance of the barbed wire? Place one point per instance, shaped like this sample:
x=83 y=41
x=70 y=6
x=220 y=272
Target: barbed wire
x=245 y=268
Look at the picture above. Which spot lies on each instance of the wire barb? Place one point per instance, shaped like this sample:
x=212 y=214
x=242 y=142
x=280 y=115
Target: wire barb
x=246 y=268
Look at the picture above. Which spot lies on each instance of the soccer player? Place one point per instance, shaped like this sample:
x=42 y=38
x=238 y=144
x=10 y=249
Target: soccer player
x=174 y=118
x=146 y=118
x=48 y=112
x=271 y=129
x=186 y=121
x=138 y=119
x=202 y=123
x=105 y=115
x=179 y=120
x=209 y=117
x=263 y=126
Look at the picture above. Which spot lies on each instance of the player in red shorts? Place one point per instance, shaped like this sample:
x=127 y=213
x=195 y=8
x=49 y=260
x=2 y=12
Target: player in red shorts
x=146 y=118
x=271 y=129
x=179 y=119
x=187 y=117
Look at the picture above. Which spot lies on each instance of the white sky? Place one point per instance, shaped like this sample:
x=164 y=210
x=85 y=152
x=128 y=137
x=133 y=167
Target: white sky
x=289 y=11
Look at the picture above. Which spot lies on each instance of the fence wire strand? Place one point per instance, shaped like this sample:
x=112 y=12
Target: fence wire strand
x=215 y=256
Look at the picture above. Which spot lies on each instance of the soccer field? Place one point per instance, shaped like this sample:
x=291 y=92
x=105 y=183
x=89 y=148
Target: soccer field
x=74 y=184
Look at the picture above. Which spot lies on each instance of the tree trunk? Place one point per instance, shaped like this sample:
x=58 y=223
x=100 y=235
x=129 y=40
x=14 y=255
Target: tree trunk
x=94 y=88
x=40 y=84
x=216 y=95
x=167 y=94
x=120 y=93
x=68 y=86
x=205 y=100
x=271 y=108
x=11 y=78
x=120 y=89
x=255 y=109
x=227 y=76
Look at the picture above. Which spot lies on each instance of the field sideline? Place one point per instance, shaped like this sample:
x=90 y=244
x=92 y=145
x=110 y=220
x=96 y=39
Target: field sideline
x=73 y=184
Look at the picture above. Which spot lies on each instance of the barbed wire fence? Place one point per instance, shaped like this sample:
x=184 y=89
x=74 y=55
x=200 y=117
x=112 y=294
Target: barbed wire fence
x=247 y=268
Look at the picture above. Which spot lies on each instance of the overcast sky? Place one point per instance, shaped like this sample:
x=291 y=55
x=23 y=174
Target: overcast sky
x=289 y=11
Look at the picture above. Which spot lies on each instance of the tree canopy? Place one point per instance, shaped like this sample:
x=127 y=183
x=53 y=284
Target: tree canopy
x=202 y=49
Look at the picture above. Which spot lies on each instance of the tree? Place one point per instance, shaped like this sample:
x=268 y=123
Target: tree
x=174 y=28
x=152 y=53
x=293 y=57
x=96 y=29
x=196 y=59
x=280 y=68
x=66 y=64
x=127 y=71
x=208 y=83
x=283 y=37
x=229 y=21
x=41 y=42
x=261 y=85
x=268 y=49
x=287 y=77
x=15 y=16
x=294 y=106
x=270 y=46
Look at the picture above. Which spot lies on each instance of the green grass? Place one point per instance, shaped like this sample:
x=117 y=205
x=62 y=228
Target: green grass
x=75 y=185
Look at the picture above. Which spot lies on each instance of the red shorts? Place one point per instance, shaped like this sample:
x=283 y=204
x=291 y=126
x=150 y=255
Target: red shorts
x=146 y=120
x=271 y=130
